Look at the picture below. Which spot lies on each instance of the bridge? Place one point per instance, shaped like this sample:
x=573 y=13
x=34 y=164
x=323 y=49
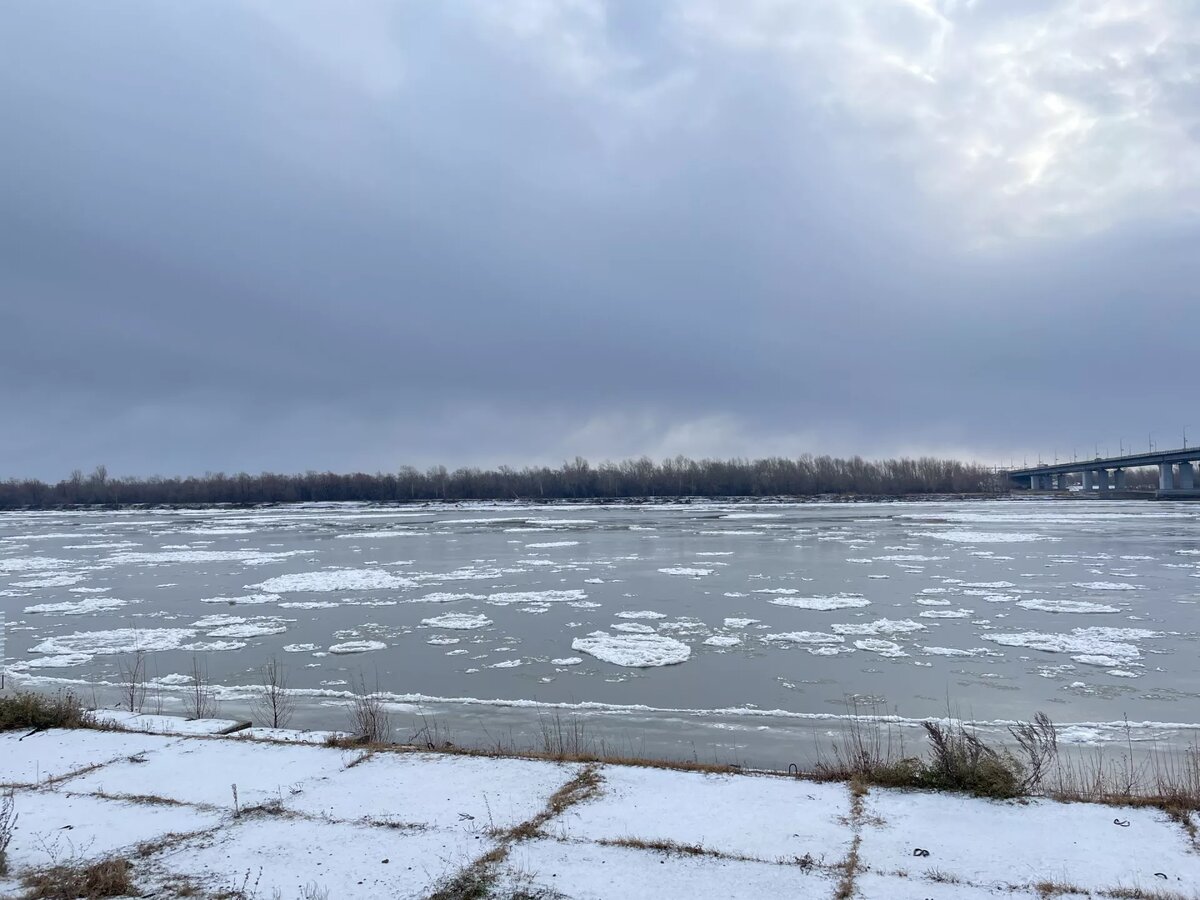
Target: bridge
x=1176 y=473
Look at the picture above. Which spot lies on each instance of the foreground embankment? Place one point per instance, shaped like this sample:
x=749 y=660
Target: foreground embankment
x=267 y=813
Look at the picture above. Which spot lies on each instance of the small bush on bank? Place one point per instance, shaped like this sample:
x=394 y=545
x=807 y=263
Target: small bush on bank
x=29 y=710
x=960 y=761
x=957 y=759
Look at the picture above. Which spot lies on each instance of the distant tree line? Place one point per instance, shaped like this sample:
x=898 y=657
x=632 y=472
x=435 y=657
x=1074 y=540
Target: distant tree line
x=576 y=480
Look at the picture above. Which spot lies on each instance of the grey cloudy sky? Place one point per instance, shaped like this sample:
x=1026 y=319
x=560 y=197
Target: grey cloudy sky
x=292 y=235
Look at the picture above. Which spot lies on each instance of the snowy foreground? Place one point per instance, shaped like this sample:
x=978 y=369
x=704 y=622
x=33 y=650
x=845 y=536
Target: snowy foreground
x=310 y=819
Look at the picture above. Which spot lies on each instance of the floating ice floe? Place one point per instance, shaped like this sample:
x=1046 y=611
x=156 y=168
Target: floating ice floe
x=507 y=664
x=506 y=598
x=951 y=651
x=299 y=648
x=260 y=626
x=686 y=570
x=1086 y=644
x=880 y=626
x=883 y=648
x=965 y=536
x=740 y=623
x=633 y=628
x=567 y=661
x=213 y=646
x=1095 y=659
x=357 y=647
x=102 y=545
x=640 y=614
x=990 y=596
x=58 y=661
x=1067 y=606
x=1107 y=586
x=723 y=640
x=802 y=637
x=823 y=603
x=217 y=621
x=458 y=621
x=118 y=640
x=32 y=564
x=165 y=557
x=383 y=533
x=947 y=614
x=335 y=580
x=445 y=598
x=633 y=650
x=51 y=581
x=78 y=607
x=546 y=545
x=244 y=600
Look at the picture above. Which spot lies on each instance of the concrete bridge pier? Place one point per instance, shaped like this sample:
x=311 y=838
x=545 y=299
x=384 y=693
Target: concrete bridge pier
x=1102 y=479
x=1187 y=480
x=1166 y=477
x=1119 y=479
x=1088 y=478
x=1062 y=482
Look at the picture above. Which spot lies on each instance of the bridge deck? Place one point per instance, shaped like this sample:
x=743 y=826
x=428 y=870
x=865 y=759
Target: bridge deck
x=1131 y=461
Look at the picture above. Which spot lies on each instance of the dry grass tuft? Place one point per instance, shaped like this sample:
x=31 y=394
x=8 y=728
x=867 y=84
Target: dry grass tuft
x=106 y=878
x=849 y=868
x=1048 y=888
x=369 y=718
x=666 y=847
x=143 y=799
x=940 y=877
x=1137 y=893
x=472 y=883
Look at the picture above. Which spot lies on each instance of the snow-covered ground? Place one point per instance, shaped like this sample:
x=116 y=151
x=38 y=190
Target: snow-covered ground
x=291 y=818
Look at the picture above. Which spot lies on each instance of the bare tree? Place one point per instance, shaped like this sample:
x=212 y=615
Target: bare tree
x=275 y=705
x=200 y=700
x=132 y=674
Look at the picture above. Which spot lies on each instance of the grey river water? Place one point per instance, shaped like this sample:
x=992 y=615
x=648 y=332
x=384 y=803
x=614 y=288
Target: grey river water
x=721 y=630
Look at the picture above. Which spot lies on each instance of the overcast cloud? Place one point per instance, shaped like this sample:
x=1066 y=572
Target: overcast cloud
x=307 y=235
